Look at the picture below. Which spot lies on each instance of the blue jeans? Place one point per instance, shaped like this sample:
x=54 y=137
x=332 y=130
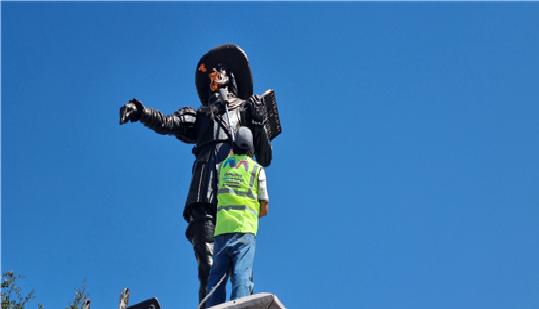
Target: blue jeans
x=234 y=252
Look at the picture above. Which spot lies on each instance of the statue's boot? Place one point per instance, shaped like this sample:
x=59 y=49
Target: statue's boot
x=203 y=253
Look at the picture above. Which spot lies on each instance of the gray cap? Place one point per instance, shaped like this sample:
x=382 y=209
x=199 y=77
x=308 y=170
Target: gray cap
x=244 y=138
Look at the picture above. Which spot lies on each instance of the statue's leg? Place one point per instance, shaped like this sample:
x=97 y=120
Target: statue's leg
x=203 y=253
x=200 y=232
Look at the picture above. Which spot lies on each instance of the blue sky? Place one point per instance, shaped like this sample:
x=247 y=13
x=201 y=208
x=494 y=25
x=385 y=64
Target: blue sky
x=406 y=175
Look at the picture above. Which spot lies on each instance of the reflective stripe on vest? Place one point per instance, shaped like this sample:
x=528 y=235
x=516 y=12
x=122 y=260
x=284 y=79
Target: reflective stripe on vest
x=237 y=207
x=235 y=192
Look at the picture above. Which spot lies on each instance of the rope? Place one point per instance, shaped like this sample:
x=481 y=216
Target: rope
x=213 y=290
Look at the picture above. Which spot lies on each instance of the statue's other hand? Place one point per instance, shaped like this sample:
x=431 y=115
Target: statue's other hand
x=127 y=112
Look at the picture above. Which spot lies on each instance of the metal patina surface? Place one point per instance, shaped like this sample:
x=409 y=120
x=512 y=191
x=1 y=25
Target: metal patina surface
x=224 y=85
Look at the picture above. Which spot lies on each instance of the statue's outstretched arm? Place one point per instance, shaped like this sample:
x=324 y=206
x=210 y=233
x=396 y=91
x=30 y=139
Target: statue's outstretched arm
x=181 y=124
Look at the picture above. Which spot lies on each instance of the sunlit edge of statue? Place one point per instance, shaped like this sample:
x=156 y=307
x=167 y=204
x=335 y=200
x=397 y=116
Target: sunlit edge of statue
x=224 y=84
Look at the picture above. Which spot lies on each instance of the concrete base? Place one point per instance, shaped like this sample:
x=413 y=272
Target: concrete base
x=256 y=301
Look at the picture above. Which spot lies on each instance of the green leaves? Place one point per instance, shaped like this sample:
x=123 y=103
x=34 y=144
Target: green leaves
x=13 y=299
x=10 y=301
x=80 y=297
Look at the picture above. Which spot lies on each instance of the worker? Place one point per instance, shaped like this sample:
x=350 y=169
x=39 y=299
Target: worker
x=242 y=198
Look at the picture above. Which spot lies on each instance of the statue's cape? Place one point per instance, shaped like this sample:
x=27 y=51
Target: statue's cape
x=236 y=59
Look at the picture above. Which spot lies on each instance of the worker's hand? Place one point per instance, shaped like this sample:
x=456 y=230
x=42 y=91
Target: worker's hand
x=131 y=111
x=263 y=209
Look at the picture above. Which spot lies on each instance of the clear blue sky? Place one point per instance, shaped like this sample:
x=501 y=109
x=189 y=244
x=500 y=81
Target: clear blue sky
x=406 y=176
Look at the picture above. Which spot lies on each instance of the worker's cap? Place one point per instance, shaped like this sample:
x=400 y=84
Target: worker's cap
x=244 y=138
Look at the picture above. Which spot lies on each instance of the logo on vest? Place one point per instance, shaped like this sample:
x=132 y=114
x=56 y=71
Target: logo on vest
x=231 y=161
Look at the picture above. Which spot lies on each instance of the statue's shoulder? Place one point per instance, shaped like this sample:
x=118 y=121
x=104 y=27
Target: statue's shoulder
x=187 y=115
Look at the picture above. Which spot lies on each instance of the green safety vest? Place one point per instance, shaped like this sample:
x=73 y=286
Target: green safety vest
x=237 y=196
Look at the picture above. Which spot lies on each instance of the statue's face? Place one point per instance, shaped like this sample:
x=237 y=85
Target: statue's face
x=219 y=77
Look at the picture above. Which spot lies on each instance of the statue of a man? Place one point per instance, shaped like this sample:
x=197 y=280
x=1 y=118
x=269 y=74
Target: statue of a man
x=225 y=87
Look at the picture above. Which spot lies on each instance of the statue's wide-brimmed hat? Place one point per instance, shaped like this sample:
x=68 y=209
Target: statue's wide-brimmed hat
x=236 y=59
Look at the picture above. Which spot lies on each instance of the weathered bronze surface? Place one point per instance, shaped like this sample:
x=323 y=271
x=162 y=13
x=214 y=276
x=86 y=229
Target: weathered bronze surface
x=211 y=128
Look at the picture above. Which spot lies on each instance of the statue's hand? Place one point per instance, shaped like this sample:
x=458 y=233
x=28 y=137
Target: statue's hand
x=131 y=111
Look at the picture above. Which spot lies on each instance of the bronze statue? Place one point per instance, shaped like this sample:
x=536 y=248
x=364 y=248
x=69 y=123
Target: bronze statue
x=225 y=88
